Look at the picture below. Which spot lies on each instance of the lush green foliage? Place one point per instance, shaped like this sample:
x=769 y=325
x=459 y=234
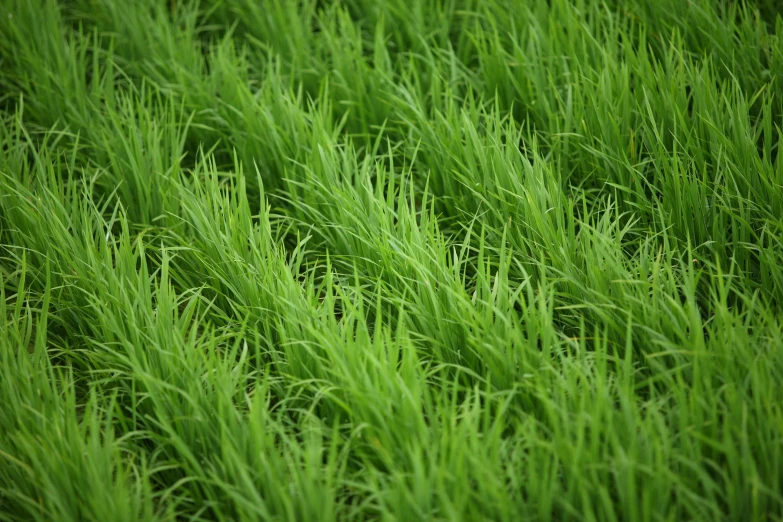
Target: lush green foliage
x=431 y=260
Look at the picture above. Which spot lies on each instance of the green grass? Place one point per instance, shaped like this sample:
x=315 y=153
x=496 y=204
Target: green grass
x=391 y=260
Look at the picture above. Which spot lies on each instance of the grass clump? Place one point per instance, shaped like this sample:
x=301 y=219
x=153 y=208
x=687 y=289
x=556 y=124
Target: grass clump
x=360 y=260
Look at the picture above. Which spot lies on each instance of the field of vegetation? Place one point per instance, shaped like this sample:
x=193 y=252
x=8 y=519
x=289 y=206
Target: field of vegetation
x=391 y=260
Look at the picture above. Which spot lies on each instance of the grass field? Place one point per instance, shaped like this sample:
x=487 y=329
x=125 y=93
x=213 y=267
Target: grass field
x=391 y=260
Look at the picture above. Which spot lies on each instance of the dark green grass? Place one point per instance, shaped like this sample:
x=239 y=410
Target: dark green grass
x=390 y=260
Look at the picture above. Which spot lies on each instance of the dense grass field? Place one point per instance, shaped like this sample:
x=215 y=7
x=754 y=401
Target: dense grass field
x=391 y=260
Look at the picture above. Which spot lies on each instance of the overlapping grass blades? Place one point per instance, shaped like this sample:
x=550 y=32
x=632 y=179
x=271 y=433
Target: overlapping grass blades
x=359 y=260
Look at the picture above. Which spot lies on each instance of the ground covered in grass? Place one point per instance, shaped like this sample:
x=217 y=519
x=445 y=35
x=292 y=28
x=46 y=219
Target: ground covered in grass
x=391 y=260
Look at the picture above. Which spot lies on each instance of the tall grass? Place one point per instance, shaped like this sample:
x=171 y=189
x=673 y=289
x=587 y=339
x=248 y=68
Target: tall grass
x=360 y=260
